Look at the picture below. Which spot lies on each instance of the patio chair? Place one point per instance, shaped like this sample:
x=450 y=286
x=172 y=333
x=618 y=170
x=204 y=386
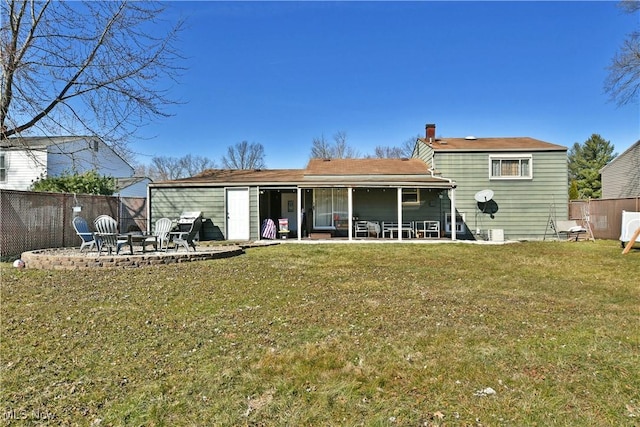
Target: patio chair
x=83 y=231
x=569 y=228
x=374 y=228
x=160 y=236
x=107 y=233
x=361 y=228
x=283 y=227
x=268 y=229
x=185 y=238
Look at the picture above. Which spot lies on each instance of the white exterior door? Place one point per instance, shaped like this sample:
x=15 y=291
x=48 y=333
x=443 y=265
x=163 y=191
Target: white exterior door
x=238 y=214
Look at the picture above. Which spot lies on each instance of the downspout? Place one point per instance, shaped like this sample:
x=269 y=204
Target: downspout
x=453 y=213
x=452 y=198
x=148 y=209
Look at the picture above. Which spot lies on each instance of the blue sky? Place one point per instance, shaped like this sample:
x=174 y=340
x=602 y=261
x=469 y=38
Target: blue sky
x=283 y=73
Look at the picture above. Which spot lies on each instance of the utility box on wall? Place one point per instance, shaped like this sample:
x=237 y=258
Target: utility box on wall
x=496 y=235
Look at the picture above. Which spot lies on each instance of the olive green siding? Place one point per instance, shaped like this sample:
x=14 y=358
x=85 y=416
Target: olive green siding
x=254 y=217
x=171 y=202
x=377 y=204
x=523 y=204
x=423 y=152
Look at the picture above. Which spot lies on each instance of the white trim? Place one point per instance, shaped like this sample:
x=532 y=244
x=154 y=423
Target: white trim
x=298 y=210
x=400 y=213
x=350 y=211
x=257 y=212
x=454 y=226
x=528 y=157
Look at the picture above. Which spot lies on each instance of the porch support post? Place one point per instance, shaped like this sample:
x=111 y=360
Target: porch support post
x=257 y=213
x=399 y=213
x=453 y=213
x=299 y=211
x=350 y=211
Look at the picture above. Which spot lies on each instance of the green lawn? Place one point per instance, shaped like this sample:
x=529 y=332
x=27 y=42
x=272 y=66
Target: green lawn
x=540 y=333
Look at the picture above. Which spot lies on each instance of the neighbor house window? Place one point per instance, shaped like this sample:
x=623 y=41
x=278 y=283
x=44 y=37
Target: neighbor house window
x=410 y=195
x=510 y=167
x=3 y=168
x=330 y=207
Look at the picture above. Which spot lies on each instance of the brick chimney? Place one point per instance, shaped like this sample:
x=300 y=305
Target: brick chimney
x=431 y=132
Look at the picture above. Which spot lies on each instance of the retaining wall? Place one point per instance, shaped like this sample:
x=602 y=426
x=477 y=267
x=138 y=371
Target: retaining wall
x=61 y=259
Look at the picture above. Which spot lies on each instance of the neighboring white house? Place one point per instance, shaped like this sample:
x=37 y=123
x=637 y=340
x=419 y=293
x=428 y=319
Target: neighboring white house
x=621 y=177
x=24 y=160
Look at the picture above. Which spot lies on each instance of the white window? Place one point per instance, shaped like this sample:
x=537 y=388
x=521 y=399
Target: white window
x=410 y=195
x=510 y=167
x=3 y=168
x=330 y=208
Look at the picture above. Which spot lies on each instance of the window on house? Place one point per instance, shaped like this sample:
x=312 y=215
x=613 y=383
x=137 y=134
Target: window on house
x=460 y=219
x=3 y=168
x=510 y=167
x=410 y=195
x=330 y=207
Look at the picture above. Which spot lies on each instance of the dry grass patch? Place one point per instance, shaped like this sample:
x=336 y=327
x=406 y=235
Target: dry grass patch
x=526 y=334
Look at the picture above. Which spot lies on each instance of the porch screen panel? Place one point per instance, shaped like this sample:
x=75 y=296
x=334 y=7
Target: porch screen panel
x=322 y=215
x=340 y=204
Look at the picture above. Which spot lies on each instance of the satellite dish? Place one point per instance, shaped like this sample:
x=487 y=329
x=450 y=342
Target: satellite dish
x=483 y=196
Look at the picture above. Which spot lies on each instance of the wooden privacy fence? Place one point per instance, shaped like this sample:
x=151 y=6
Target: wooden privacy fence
x=34 y=220
x=604 y=215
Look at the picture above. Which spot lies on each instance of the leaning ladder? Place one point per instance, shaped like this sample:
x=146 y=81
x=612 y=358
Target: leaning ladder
x=586 y=219
x=551 y=221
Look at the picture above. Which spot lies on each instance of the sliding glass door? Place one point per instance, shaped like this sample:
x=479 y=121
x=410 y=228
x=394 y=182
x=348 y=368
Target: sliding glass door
x=330 y=207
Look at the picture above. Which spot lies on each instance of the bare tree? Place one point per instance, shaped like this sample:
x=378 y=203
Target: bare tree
x=405 y=150
x=244 y=156
x=623 y=81
x=84 y=68
x=340 y=148
x=386 y=152
x=165 y=168
x=321 y=149
x=193 y=165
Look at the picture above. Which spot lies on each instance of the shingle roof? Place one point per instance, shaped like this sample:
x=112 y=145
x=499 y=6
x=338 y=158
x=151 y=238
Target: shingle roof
x=492 y=144
x=319 y=171
x=366 y=167
x=257 y=176
x=128 y=181
x=39 y=141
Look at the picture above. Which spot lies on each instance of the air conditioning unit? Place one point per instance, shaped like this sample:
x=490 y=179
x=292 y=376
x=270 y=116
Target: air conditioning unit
x=496 y=235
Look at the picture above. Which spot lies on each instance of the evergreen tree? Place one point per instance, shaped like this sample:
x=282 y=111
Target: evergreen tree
x=585 y=162
x=573 y=190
